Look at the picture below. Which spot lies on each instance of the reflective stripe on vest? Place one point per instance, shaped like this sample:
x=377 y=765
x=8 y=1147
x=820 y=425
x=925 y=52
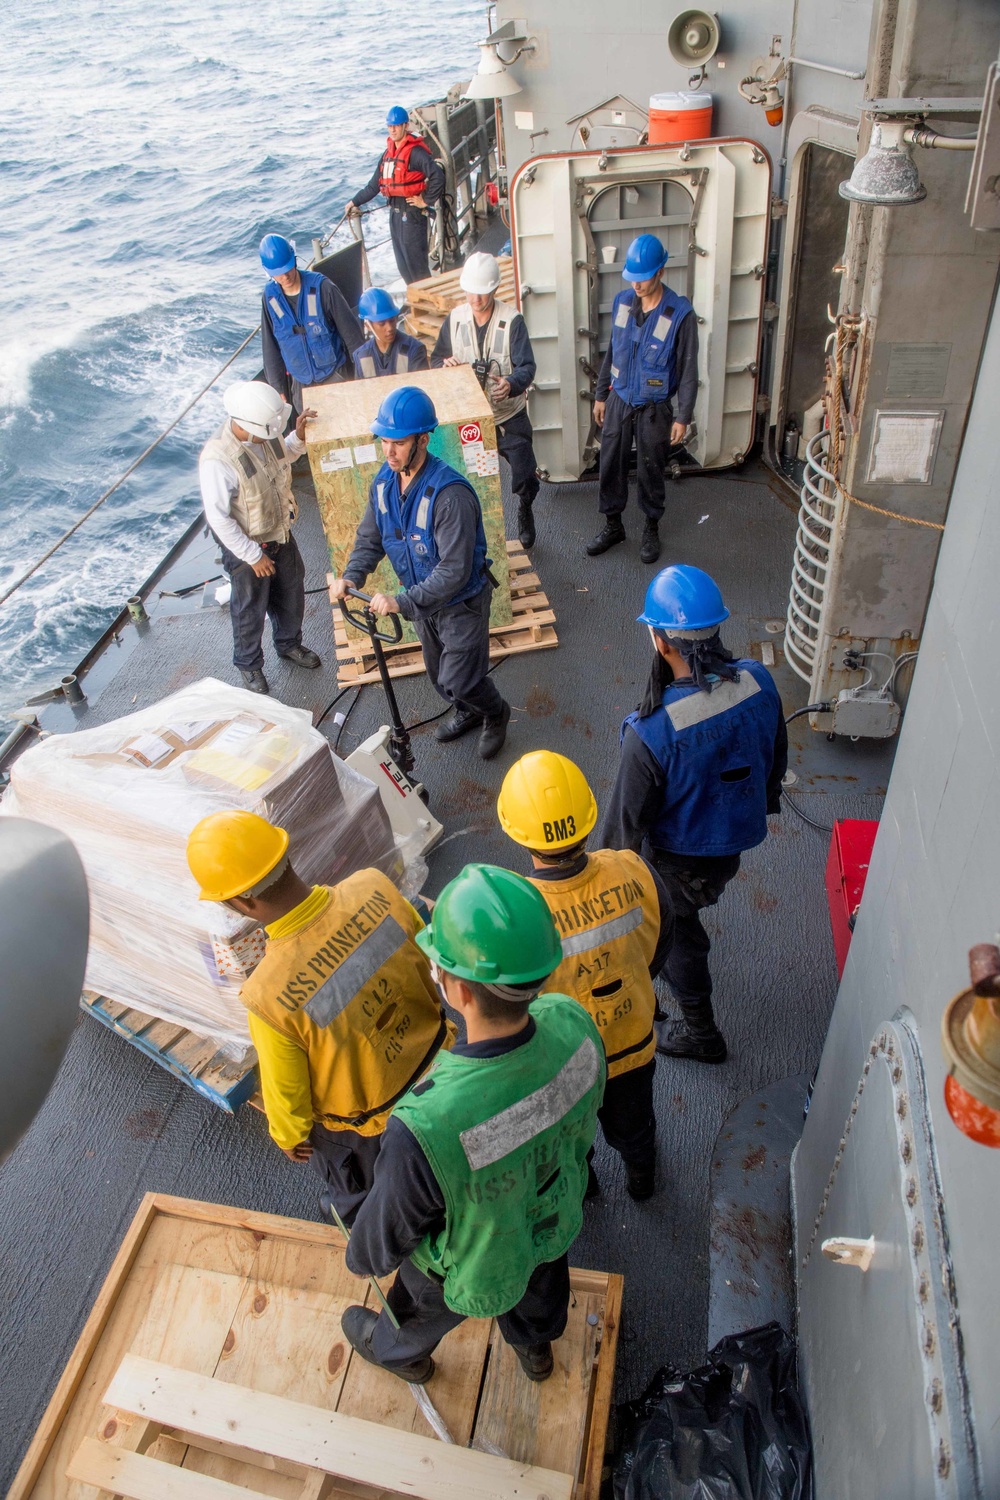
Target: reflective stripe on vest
x=643 y=360
x=717 y=750
x=310 y=348
x=507 y=1140
x=354 y=992
x=367 y=366
x=608 y=918
x=264 y=506
x=406 y=526
x=496 y=348
x=519 y=1123
x=370 y=362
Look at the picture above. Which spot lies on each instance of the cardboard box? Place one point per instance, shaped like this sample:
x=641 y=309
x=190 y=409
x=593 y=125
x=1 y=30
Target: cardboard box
x=345 y=459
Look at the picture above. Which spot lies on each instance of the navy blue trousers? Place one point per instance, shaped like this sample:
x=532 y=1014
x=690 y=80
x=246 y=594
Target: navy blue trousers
x=280 y=598
x=408 y=232
x=649 y=426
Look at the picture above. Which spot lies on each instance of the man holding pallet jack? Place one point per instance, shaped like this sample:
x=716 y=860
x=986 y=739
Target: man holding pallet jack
x=479 y=1186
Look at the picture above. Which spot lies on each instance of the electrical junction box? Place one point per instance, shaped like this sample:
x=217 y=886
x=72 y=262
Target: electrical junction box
x=862 y=715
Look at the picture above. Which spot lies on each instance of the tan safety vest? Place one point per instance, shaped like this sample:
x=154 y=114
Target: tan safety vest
x=355 y=992
x=608 y=918
x=496 y=349
x=265 y=506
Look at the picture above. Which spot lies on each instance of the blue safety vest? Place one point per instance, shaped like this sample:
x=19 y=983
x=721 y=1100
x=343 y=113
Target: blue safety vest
x=643 y=362
x=405 y=354
x=311 y=349
x=717 y=750
x=406 y=525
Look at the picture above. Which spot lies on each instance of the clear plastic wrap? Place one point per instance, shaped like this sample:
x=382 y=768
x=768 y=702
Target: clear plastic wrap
x=128 y=794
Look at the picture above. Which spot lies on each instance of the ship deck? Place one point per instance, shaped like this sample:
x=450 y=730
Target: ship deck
x=116 y=1126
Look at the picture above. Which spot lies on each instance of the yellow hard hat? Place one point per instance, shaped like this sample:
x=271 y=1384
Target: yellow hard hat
x=545 y=802
x=231 y=853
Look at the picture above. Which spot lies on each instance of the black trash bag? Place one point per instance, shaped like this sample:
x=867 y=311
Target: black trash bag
x=735 y=1429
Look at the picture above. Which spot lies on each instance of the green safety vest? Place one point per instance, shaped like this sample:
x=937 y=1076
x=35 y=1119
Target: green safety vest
x=507 y=1139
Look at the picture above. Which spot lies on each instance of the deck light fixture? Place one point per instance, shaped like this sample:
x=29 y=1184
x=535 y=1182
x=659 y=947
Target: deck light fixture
x=491 y=79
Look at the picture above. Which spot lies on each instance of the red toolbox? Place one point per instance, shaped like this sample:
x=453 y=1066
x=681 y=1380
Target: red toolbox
x=846 y=872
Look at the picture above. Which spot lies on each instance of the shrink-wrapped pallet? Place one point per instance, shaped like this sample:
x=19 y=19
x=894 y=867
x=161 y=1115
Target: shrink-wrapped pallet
x=128 y=794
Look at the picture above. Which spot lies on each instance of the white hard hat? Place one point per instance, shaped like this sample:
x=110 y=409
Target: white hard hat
x=480 y=274
x=257 y=407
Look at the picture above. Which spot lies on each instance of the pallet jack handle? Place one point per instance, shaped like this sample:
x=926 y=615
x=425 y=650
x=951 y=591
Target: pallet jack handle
x=399 y=739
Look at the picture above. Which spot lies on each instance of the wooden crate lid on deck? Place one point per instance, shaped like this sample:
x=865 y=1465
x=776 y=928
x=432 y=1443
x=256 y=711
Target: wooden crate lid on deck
x=346 y=410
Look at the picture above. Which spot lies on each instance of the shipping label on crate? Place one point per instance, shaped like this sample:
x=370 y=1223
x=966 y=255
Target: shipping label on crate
x=477 y=457
x=337 y=458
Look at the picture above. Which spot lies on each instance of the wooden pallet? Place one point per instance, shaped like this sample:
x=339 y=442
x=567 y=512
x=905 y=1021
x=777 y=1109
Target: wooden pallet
x=532 y=629
x=213 y=1367
x=195 y=1060
x=430 y=301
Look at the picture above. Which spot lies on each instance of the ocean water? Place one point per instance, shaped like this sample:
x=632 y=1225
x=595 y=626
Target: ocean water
x=144 y=150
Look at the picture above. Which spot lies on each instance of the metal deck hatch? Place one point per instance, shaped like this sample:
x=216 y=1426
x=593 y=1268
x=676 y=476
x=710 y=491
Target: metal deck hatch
x=574 y=216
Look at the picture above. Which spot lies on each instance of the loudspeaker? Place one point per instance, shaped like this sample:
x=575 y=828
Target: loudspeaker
x=693 y=36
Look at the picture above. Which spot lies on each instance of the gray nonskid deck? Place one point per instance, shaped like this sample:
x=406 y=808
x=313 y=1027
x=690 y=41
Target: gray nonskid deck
x=116 y=1126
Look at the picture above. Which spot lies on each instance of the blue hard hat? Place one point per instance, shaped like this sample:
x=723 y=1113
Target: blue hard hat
x=682 y=599
x=398 y=115
x=376 y=305
x=645 y=256
x=277 y=255
x=405 y=412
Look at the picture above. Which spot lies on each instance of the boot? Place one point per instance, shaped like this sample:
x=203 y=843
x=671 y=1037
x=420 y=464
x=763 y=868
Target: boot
x=357 y=1323
x=610 y=535
x=536 y=1360
x=457 y=723
x=301 y=656
x=676 y=1039
x=491 y=741
x=650 y=549
x=640 y=1181
x=254 y=679
x=525 y=524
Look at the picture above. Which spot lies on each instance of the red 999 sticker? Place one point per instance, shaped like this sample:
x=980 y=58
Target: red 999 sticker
x=470 y=432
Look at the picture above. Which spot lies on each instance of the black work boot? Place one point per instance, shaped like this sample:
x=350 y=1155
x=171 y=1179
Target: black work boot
x=491 y=741
x=676 y=1039
x=301 y=656
x=525 y=524
x=254 y=679
x=536 y=1360
x=640 y=1181
x=610 y=535
x=593 y=1189
x=650 y=549
x=457 y=723
x=357 y=1323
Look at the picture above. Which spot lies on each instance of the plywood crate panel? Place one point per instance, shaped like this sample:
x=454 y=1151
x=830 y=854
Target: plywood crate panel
x=254 y=1300
x=345 y=459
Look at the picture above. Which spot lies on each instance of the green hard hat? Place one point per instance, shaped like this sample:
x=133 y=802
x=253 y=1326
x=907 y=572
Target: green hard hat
x=492 y=926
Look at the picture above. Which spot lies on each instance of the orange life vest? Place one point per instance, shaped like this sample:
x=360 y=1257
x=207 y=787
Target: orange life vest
x=397 y=179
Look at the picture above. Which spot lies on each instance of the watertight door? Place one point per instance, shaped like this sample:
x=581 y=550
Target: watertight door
x=573 y=218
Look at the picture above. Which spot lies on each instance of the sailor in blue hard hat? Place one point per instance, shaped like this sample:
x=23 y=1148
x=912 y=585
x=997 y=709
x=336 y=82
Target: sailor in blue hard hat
x=701 y=764
x=426 y=519
x=645 y=393
x=388 y=351
x=307 y=328
x=410 y=179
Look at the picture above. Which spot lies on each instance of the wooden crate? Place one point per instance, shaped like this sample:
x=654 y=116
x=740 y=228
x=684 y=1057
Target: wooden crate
x=429 y=301
x=532 y=628
x=345 y=459
x=238 y=1308
x=195 y=1060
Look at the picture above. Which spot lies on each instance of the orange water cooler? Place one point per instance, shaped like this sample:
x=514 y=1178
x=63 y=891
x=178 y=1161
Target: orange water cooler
x=675 y=118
